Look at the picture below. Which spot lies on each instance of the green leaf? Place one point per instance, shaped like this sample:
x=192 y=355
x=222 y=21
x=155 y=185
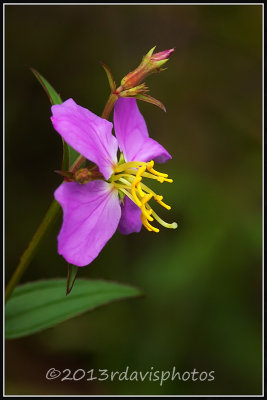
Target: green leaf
x=69 y=154
x=39 y=305
x=71 y=277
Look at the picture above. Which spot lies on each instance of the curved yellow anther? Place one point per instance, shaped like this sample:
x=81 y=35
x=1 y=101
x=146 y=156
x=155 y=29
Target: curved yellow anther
x=168 y=180
x=160 y=179
x=138 y=186
x=145 y=212
x=141 y=170
x=144 y=222
x=159 y=200
x=152 y=228
x=133 y=191
x=146 y=198
x=150 y=166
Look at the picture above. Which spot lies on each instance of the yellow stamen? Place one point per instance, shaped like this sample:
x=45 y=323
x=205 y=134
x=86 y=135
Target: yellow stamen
x=159 y=200
x=144 y=221
x=127 y=178
x=127 y=194
x=136 y=182
x=161 y=179
x=125 y=181
x=139 y=188
x=141 y=171
x=146 y=198
x=132 y=164
x=146 y=213
x=133 y=191
x=147 y=225
x=147 y=189
x=168 y=180
x=174 y=225
x=151 y=227
x=150 y=166
x=118 y=177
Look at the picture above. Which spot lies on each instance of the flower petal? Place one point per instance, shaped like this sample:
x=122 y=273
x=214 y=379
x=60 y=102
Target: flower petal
x=87 y=133
x=130 y=217
x=91 y=214
x=131 y=132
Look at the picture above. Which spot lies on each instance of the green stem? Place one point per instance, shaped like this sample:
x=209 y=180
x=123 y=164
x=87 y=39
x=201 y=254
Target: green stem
x=49 y=218
x=109 y=105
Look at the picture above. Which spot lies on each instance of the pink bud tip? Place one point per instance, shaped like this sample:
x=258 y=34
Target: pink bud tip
x=162 y=55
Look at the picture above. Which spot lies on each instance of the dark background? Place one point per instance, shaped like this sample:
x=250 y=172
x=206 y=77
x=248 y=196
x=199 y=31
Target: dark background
x=202 y=307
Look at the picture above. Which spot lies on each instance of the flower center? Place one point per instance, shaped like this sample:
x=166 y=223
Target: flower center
x=127 y=179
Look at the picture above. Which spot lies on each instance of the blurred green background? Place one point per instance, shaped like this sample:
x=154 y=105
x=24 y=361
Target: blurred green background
x=202 y=307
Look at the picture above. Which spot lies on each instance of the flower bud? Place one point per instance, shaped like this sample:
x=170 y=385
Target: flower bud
x=149 y=65
x=84 y=175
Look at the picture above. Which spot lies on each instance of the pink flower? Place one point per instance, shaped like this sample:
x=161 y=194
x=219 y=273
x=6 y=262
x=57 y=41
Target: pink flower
x=93 y=211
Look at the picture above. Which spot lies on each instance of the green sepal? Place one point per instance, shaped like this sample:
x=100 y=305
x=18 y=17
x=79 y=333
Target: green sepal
x=71 y=277
x=67 y=175
x=111 y=81
x=152 y=100
x=151 y=51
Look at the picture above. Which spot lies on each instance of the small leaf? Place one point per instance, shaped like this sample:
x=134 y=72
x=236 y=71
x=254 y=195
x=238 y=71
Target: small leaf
x=152 y=100
x=71 y=277
x=54 y=97
x=69 y=154
x=111 y=81
x=39 y=305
